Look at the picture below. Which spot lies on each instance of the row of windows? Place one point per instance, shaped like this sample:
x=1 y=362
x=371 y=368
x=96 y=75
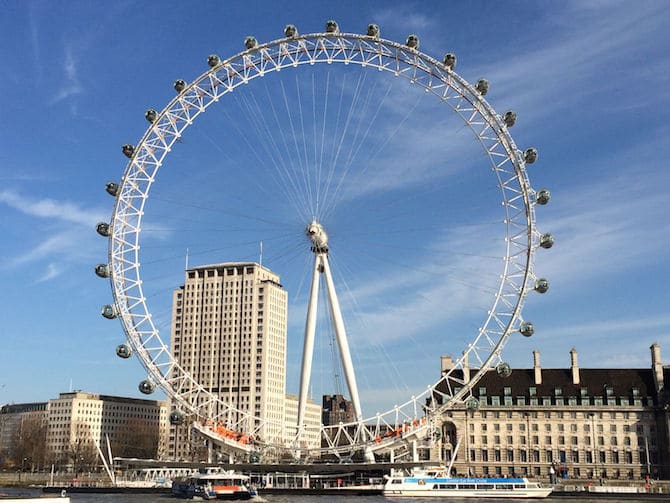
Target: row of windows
x=536 y=456
x=561 y=427
x=508 y=414
x=560 y=440
x=558 y=391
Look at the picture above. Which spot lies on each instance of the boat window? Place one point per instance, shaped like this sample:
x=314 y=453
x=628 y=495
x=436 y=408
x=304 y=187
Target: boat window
x=485 y=486
x=519 y=486
x=466 y=486
x=396 y=481
x=505 y=486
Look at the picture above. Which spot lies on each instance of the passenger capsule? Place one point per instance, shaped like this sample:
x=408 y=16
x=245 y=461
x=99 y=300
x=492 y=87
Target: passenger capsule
x=482 y=86
x=108 y=311
x=112 y=188
x=213 y=60
x=331 y=27
x=290 y=31
x=179 y=85
x=546 y=241
x=103 y=229
x=412 y=42
x=177 y=418
x=541 y=285
x=102 y=270
x=542 y=197
x=128 y=150
x=527 y=329
x=373 y=30
x=530 y=155
x=250 y=42
x=123 y=351
x=503 y=369
x=151 y=115
x=509 y=118
x=147 y=387
x=449 y=60
x=471 y=404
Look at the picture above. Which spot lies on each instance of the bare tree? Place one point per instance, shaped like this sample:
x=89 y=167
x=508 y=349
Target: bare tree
x=136 y=439
x=29 y=451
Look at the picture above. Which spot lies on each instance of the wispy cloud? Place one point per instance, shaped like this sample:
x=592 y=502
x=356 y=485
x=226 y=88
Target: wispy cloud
x=50 y=208
x=52 y=272
x=71 y=85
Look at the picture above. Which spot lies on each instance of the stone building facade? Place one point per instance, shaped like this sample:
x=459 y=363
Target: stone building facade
x=585 y=423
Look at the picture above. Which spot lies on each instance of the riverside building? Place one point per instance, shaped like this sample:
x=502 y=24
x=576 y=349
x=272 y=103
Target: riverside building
x=229 y=331
x=585 y=423
x=78 y=420
x=14 y=420
x=70 y=426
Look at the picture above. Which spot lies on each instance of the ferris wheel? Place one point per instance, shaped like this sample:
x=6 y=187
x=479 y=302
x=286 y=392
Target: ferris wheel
x=355 y=54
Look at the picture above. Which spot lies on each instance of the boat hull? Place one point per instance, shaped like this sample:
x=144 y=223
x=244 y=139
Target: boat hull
x=467 y=493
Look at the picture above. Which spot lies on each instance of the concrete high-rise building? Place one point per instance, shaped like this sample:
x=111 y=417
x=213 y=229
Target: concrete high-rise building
x=229 y=331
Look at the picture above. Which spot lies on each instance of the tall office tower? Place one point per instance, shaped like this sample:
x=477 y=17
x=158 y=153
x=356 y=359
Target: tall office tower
x=229 y=325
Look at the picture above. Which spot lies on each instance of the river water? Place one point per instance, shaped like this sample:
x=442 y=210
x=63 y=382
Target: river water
x=163 y=498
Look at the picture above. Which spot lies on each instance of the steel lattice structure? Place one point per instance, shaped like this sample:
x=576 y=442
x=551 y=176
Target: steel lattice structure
x=412 y=419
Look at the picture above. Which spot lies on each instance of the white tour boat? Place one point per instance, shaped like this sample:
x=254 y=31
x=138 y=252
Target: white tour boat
x=223 y=485
x=435 y=483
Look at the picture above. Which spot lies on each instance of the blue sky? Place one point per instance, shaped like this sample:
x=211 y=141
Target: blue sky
x=589 y=81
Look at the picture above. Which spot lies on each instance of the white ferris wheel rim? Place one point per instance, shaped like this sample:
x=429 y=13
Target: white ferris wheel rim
x=507 y=161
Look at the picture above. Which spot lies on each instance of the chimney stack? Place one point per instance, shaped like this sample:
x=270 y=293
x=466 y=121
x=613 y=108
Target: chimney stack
x=536 y=366
x=466 y=368
x=446 y=363
x=657 y=366
x=574 y=366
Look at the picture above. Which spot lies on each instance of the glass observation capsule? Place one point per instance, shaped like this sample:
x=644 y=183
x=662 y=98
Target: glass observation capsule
x=213 y=60
x=291 y=30
x=449 y=60
x=147 y=387
x=543 y=196
x=179 y=85
x=541 y=285
x=530 y=155
x=177 y=417
x=123 y=351
x=471 y=403
x=527 y=329
x=331 y=27
x=412 y=42
x=509 y=118
x=482 y=86
x=112 y=188
x=102 y=270
x=373 y=30
x=250 y=42
x=546 y=241
x=103 y=229
x=151 y=115
x=128 y=150
x=503 y=369
x=108 y=311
